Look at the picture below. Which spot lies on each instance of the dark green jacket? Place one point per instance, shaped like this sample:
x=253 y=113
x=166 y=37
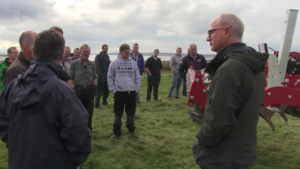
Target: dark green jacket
x=227 y=137
x=102 y=62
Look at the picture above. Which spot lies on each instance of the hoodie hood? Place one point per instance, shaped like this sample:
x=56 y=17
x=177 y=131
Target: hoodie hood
x=34 y=86
x=255 y=60
x=127 y=60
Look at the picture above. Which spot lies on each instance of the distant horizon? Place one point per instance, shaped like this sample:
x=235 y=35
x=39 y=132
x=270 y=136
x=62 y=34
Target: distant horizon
x=145 y=53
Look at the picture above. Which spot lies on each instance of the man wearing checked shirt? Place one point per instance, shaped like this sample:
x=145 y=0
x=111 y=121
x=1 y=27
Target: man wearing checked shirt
x=84 y=80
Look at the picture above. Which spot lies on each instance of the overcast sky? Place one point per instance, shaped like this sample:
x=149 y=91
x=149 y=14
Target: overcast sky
x=162 y=24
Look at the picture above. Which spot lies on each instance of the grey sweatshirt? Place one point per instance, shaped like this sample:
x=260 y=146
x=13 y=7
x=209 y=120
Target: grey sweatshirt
x=123 y=75
x=175 y=63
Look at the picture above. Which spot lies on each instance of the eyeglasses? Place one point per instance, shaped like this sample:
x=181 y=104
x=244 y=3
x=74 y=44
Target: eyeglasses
x=210 y=32
x=14 y=53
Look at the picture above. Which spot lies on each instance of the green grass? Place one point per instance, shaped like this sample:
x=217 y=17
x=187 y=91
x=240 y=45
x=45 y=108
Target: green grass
x=166 y=135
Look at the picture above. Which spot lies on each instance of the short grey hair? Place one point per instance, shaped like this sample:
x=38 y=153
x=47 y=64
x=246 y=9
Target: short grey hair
x=67 y=47
x=26 y=37
x=84 y=46
x=192 y=45
x=228 y=19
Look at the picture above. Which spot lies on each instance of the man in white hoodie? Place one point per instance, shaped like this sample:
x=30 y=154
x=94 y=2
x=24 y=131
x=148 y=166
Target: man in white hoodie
x=124 y=81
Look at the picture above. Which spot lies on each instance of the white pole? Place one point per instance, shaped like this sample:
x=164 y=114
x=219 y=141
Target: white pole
x=286 y=42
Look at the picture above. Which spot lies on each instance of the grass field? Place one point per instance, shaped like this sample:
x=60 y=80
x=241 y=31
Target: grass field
x=166 y=135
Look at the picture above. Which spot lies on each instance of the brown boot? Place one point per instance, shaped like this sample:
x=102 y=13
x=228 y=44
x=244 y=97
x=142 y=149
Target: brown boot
x=134 y=135
x=114 y=136
x=168 y=98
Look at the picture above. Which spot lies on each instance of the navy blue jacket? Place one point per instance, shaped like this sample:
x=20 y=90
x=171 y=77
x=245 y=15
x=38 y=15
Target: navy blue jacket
x=199 y=63
x=42 y=121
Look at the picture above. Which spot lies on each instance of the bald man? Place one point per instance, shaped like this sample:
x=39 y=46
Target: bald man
x=227 y=137
x=199 y=63
x=21 y=64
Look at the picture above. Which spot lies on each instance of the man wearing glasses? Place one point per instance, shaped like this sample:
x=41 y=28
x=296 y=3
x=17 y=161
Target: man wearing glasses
x=227 y=137
x=12 y=53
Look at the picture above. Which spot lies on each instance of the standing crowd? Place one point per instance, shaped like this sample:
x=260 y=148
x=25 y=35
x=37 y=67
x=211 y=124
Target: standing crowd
x=48 y=97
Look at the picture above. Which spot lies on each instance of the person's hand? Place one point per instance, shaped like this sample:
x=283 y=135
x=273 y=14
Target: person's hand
x=175 y=73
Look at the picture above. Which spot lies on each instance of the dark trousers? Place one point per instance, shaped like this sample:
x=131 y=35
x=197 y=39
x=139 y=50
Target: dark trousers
x=85 y=94
x=184 y=92
x=102 y=90
x=153 y=81
x=127 y=100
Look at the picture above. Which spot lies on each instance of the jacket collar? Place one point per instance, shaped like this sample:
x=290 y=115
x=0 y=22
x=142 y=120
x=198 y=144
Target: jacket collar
x=221 y=57
x=88 y=62
x=197 y=55
x=6 y=61
x=48 y=67
x=23 y=59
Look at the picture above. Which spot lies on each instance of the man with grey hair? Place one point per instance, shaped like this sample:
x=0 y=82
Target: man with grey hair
x=40 y=115
x=176 y=82
x=24 y=59
x=227 y=137
x=84 y=80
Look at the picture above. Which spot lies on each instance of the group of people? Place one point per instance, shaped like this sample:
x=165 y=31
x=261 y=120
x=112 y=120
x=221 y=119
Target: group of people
x=47 y=105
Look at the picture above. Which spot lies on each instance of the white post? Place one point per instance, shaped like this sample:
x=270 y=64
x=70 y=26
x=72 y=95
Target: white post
x=286 y=42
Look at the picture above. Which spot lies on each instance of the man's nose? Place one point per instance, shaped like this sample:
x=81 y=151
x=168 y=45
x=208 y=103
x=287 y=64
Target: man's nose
x=208 y=38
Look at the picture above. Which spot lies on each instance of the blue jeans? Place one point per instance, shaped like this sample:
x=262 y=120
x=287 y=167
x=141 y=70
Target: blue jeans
x=175 y=85
x=184 y=88
x=137 y=97
x=192 y=114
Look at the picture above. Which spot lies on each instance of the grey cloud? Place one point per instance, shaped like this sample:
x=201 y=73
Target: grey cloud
x=140 y=23
x=20 y=8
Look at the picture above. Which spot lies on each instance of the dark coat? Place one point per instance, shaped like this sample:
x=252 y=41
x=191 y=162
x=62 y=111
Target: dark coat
x=19 y=66
x=199 y=63
x=227 y=137
x=102 y=62
x=42 y=121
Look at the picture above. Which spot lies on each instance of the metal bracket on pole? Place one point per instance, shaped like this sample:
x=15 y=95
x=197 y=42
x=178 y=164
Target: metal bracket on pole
x=286 y=42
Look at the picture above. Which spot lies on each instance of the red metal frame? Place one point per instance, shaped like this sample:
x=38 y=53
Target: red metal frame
x=198 y=92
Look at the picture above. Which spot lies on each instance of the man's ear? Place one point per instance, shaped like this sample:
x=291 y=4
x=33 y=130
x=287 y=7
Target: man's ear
x=227 y=32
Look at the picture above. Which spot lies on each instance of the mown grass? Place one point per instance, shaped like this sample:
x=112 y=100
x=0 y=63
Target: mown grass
x=165 y=137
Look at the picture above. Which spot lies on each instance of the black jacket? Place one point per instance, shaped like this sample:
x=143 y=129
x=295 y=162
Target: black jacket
x=227 y=137
x=154 y=66
x=42 y=121
x=199 y=63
